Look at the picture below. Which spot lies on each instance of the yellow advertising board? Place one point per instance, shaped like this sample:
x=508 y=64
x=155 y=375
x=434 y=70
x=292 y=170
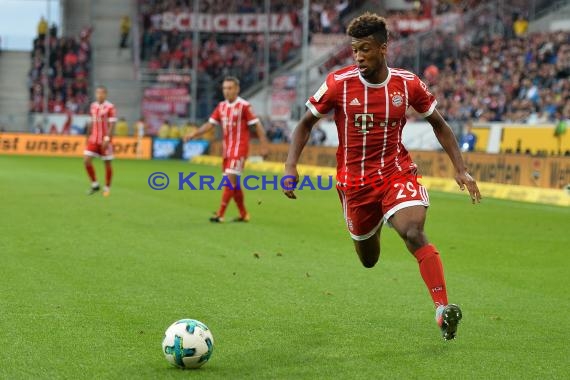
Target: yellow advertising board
x=69 y=146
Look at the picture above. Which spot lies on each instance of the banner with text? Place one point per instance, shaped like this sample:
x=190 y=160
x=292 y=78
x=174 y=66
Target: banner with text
x=69 y=146
x=225 y=23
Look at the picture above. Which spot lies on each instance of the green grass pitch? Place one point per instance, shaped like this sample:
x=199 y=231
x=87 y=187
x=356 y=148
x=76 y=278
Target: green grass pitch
x=89 y=284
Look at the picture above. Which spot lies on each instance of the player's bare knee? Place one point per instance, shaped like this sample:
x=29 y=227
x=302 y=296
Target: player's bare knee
x=415 y=236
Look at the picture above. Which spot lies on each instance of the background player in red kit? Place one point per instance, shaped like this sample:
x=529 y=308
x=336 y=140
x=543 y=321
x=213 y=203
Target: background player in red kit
x=99 y=143
x=377 y=180
x=234 y=115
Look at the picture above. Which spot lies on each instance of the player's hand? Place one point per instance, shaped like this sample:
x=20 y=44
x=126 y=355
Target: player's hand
x=264 y=150
x=189 y=136
x=290 y=183
x=464 y=180
x=104 y=146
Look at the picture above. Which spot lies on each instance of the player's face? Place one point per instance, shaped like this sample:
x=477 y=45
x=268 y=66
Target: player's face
x=230 y=90
x=369 y=56
x=100 y=95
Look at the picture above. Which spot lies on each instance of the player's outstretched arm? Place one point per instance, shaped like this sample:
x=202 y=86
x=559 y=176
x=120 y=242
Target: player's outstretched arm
x=447 y=140
x=301 y=135
x=262 y=139
x=199 y=132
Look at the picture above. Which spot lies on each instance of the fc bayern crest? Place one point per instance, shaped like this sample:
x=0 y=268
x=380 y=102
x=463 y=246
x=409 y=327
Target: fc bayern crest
x=397 y=100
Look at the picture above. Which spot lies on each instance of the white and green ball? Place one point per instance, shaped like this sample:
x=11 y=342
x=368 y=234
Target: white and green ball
x=188 y=343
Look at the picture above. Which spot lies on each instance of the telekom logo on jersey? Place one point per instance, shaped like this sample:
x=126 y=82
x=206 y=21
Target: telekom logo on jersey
x=363 y=121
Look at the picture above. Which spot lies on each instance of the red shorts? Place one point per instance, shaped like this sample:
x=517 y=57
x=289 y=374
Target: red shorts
x=96 y=150
x=233 y=165
x=366 y=208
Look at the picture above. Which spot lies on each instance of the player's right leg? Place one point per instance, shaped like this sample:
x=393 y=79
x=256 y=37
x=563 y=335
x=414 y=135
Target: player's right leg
x=235 y=170
x=107 y=158
x=232 y=169
x=91 y=151
x=363 y=218
x=227 y=195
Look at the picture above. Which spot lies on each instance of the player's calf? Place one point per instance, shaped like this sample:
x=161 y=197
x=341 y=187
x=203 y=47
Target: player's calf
x=368 y=250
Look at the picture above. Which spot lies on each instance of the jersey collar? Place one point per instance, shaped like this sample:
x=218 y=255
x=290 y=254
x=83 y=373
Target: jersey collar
x=375 y=85
x=234 y=102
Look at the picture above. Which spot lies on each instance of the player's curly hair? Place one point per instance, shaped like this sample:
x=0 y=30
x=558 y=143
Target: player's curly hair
x=368 y=24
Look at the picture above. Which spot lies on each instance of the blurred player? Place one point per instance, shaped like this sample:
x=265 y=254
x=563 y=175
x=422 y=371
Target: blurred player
x=99 y=143
x=377 y=180
x=234 y=115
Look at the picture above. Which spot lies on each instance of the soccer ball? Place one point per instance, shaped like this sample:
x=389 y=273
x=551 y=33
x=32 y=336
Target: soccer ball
x=188 y=343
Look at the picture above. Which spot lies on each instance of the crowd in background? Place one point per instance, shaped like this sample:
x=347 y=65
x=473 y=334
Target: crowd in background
x=237 y=54
x=522 y=80
x=67 y=75
x=493 y=71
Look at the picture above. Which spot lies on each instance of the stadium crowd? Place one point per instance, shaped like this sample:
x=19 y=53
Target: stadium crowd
x=68 y=73
x=522 y=80
x=493 y=71
x=238 y=54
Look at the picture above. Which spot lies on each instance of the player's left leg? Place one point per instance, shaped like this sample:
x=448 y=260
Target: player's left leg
x=235 y=169
x=363 y=218
x=107 y=158
x=409 y=223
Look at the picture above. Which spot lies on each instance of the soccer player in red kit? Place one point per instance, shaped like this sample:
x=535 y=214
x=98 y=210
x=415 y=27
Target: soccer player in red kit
x=376 y=177
x=99 y=143
x=235 y=116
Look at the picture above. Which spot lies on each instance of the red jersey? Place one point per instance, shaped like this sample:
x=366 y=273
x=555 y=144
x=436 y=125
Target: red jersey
x=101 y=116
x=369 y=119
x=235 y=119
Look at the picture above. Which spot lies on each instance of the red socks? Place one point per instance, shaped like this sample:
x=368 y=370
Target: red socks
x=90 y=171
x=238 y=197
x=227 y=195
x=108 y=173
x=431 y=270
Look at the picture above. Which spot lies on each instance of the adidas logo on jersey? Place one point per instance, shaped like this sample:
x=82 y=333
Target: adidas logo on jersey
x=354 y=102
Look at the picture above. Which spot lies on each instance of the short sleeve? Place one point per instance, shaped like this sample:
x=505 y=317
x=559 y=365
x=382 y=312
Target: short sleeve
x=215 y=117
x=249 y=115
x=112 y=114
x=323 y=101
x=421 y=99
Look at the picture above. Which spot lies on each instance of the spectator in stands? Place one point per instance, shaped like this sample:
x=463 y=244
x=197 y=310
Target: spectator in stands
x=276 y=132
x=68 y=74
x=140 y=128
x=520 y=26
x=53 y=30
x=122 y=127
x=164 y=131
x=174 y=132
x=469 y=139
x=42 y=28
x=318 y=136
x=188 y=128
x=125 y=29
